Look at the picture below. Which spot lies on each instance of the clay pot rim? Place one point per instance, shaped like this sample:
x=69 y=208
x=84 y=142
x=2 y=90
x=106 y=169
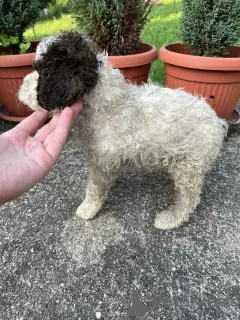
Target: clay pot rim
x=169 y=54
x=11 y=119
x=17 y=60
x=147 y=54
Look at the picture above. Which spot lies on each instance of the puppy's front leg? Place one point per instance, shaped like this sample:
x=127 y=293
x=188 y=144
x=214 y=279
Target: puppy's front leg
x=98 y=186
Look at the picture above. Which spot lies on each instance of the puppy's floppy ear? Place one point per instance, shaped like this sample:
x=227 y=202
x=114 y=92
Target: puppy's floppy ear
x=67 y=70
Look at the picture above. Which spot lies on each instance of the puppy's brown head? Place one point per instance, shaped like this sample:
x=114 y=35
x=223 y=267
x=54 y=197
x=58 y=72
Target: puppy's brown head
x=65 y=71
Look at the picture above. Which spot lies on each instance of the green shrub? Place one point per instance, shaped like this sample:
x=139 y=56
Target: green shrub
x=115 y=25
x=15 y=17
x=210 y=27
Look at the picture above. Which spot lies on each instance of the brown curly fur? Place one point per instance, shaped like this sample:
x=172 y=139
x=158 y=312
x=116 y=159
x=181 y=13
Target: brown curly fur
x=67 y=71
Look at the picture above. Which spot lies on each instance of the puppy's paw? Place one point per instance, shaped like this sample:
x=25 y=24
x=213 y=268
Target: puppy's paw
x=88 y=210
x=168 y=219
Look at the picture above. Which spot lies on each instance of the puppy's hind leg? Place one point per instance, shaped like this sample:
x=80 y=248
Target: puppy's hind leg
x=188 y=182
x=98 y=186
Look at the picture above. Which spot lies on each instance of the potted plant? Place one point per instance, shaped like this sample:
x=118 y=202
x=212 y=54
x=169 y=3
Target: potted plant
x=207 y=63
x=16 y=55
x=115 y=26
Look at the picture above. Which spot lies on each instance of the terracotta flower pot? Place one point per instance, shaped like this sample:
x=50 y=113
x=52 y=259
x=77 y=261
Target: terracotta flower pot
x=135 y=67
x=13 y=68
x=216 y=79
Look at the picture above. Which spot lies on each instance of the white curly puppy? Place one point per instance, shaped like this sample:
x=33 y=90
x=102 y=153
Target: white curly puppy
x=124 y=124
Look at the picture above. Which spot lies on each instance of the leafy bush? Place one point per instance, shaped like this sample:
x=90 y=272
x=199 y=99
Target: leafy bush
x=210 y=27
x=15 y=17
x=115 y=25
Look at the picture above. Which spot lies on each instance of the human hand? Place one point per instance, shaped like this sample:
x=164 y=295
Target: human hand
x=26 y=159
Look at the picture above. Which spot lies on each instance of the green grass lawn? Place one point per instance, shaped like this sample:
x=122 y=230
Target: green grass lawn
x=50 y=27
x=163 y=28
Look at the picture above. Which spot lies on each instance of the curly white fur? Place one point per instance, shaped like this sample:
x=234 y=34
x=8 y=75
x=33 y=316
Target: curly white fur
x=151 y=127
x=145 y=126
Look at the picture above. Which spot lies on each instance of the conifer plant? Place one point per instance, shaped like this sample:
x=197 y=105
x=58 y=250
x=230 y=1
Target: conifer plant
x=210 y=27
x=114 y=25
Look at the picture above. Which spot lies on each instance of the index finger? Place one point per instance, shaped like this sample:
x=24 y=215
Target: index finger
x=33 y=122
x=50 y=127
x=76 y=108
x=60 y=134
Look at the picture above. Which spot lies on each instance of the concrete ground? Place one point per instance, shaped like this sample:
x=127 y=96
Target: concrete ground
x=118 y=266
